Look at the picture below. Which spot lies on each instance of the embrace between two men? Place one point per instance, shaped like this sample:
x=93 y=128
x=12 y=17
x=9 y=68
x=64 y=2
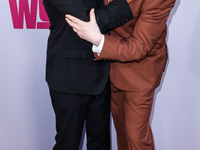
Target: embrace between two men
x=111 y=57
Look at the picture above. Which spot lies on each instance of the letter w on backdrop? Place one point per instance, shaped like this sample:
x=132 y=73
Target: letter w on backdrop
x=27 y=10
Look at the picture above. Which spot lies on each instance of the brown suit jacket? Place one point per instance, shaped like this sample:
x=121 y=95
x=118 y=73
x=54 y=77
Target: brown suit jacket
x=138 y=48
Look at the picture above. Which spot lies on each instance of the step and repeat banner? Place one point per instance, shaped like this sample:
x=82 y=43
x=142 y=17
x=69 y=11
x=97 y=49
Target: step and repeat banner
x=27 y=120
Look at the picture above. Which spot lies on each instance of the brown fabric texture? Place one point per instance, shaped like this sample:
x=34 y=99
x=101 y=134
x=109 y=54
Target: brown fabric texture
x=138 y=52
x=131 y=112
x=138 y=48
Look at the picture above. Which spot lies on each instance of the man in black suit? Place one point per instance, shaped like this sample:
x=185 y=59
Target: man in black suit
x=79 y=87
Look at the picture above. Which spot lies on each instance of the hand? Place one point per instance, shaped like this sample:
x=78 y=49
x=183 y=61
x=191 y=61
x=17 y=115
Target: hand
x=88 y=31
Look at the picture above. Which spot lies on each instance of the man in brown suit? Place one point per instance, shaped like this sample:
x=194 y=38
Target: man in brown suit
x=138 y=52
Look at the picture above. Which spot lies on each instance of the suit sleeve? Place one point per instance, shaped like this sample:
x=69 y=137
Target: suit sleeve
x=108 y=17
x=113 y=15
x=144 y=36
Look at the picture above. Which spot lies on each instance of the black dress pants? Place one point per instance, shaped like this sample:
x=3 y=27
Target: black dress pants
x=72 y=110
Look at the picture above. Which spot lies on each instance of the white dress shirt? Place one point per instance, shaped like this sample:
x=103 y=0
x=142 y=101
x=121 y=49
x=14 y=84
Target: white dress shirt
x=98 y=49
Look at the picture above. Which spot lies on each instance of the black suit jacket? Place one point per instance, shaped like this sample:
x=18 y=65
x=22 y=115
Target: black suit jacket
x=70 y=67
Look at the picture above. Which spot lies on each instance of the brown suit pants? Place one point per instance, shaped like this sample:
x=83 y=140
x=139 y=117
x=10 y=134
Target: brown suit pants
x=131 y=112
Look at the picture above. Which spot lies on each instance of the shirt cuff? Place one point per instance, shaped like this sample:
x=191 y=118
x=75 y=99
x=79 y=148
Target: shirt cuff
x=98 y=49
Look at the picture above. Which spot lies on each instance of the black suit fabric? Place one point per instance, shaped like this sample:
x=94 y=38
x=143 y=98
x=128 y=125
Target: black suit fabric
x=70 y=117
x=70 y=67
x=79 y=86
